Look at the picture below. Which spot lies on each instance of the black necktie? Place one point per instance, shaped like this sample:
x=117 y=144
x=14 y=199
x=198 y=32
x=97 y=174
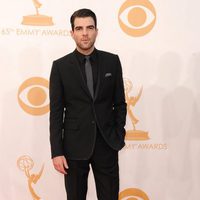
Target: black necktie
x=89 y=75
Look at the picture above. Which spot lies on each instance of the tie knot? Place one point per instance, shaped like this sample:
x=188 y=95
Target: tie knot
x=87 y=58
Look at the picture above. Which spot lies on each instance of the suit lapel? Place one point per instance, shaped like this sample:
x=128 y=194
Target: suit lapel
x=100 y=65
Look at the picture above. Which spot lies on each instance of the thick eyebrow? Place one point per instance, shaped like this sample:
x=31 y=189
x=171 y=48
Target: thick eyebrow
x=80 y=27
x=90 y=26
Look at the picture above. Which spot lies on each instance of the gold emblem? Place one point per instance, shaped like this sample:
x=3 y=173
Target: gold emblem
x=133 y=194
x=133 y=134
x=33 y=96
x=37 y=19
x=137 y=17
x=25 y=163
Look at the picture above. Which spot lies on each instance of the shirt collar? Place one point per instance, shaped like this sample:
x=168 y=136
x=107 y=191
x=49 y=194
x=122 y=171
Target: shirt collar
x=81 y=57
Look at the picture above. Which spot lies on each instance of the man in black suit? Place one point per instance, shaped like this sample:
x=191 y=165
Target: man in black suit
x=87 y=113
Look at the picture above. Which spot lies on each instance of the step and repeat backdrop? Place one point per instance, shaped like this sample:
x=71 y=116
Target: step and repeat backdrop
x=159 y=47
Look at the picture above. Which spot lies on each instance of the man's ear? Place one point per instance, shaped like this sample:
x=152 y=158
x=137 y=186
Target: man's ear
x=72 y=34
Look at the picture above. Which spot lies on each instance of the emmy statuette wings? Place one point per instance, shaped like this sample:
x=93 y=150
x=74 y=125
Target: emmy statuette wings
x=37 y=5
x=133 y=134
x=25 y=163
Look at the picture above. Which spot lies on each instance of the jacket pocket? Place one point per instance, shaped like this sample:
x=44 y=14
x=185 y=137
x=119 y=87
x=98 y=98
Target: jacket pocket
x=71 y=124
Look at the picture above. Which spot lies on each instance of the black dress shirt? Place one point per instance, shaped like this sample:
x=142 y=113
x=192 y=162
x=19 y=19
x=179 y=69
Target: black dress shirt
x=94 y=63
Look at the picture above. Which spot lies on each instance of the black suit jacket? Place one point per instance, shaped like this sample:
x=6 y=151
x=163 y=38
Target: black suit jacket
x=75 y=115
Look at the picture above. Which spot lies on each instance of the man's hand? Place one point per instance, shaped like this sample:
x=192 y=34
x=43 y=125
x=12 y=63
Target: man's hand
x=60 y=164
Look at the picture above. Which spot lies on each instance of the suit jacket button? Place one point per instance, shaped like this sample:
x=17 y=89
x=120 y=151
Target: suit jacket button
x=93 y=122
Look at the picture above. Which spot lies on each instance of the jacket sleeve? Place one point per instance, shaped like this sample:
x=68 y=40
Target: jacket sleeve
x=56 y=94
x=119 y=105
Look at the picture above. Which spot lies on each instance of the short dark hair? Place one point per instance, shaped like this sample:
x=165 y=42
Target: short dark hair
x=84 y=12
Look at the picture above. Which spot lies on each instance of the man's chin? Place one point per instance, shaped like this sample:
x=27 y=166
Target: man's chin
x=86 y=48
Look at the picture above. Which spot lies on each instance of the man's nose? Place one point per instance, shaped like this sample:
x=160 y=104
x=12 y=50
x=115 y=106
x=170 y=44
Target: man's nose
x=85 y=32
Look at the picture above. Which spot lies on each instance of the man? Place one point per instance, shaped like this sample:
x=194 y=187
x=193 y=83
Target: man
x=87 y=113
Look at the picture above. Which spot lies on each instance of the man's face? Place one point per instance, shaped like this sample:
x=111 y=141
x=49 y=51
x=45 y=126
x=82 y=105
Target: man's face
x=84 y=34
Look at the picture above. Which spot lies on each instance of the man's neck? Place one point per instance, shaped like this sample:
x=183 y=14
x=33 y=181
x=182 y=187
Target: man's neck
x=85 y=52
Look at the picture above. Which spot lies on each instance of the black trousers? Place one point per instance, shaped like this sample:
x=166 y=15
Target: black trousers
x=104 y=163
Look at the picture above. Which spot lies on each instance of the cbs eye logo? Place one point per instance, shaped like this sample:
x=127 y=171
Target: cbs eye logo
x=33 y=96
x=137 y=17
x=133 y=194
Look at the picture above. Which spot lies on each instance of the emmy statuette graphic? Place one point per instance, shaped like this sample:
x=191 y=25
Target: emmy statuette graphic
x=133 y=134
x=25 y=163
x=37 y=19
